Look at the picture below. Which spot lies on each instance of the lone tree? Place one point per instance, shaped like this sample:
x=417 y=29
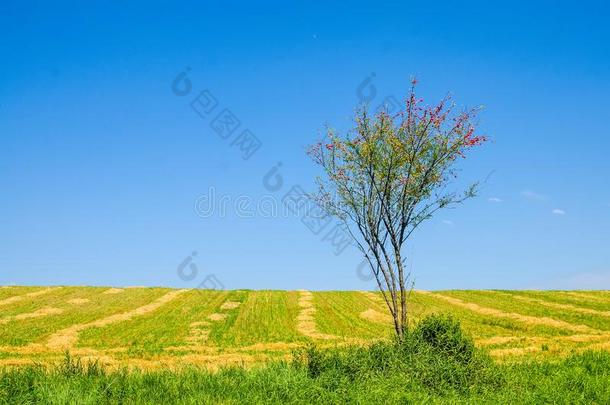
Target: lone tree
x=388 y=175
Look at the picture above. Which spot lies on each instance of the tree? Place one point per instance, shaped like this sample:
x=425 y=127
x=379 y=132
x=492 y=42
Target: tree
x=387 y=176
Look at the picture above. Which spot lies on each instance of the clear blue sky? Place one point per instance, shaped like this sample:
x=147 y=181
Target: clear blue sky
x=101 y=163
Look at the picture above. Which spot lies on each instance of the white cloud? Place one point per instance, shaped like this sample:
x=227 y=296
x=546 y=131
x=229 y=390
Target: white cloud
x=448 y=222
x=558 y=211
x=494 y=199
x=532 y=195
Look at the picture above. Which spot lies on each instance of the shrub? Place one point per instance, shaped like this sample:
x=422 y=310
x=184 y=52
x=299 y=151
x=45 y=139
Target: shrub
x=436 y=355
x=444 y=333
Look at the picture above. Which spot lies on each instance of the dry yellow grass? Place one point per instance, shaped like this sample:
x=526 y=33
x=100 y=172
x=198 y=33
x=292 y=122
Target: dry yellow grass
x=376 y=316
x=36 y=314
x=217 y=317
x=114 y=291
x=230 y=305
x=78 y=301
x=306 y=323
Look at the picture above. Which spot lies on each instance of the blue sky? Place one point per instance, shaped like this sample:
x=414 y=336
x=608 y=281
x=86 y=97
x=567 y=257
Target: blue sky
x=101 y=163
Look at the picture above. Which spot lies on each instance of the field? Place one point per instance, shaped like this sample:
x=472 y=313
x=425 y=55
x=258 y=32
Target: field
x=157 y=328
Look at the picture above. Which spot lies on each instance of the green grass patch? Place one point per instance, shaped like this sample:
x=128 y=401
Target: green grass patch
x=506 y=303
x=22 y=332
x=151 y=333
x=8 y=292
x=338 y=313
x=266 y=317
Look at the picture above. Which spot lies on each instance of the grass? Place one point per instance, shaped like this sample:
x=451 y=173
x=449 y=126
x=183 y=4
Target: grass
x=198 y=328
x=597 y=301
x=99 y=305
x=480 y=326
x=220 y=329
x=250 y=347
x=438 y=363
x=169 y=326
x=266 y=317
x=8 y=292
x=338 y=313
x=507 y=302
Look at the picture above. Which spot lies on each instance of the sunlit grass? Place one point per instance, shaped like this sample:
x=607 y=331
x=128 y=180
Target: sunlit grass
x=165 y=327
x=22 y=332
x=8 y=292
x=254 y=322
x=506 y=302
x=479 y=326
x=339 y=313
x=266 y=317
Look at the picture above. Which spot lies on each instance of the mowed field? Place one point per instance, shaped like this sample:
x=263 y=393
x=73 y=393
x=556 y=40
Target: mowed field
x=152 y=328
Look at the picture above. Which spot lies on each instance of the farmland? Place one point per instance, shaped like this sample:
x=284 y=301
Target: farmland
x=159 y=328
